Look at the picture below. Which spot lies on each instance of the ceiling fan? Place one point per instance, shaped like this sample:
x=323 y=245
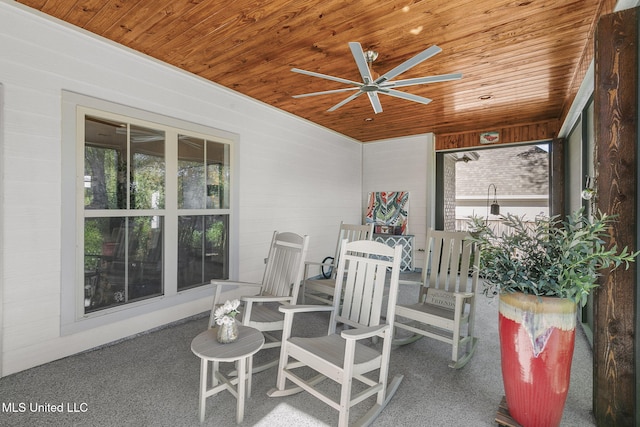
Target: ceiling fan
x=383 y=84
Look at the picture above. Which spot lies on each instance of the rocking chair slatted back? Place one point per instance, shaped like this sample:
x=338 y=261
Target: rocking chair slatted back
x=362 y=282
x=285 y=266
x=450 y=263
x=351 y=233
x=322 y=290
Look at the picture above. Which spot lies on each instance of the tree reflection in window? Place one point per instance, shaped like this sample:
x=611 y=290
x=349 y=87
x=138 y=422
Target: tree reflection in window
x=202 y=249
x=126 y=211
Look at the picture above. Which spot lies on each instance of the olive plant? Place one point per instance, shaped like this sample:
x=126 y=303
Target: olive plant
x=548 y=256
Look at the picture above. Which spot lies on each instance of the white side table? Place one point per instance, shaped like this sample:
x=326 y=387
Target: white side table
x=208 y=349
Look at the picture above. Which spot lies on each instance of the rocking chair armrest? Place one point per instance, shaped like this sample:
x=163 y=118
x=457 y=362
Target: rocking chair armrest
x=463 y=295
x=410 y=282
x=361 y=333
x=308 y=264
x=219 y=285
x=265 y=298
x=237 y=284
x=304 y=308
x=319 y=263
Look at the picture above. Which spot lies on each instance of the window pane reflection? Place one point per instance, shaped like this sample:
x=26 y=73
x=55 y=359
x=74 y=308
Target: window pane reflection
x=105 y=164
x=122 y=260
x=203 y=249
x=147 y=168
x=217 y=175
x=195 y=186
x=107 y=170
x=191 y=188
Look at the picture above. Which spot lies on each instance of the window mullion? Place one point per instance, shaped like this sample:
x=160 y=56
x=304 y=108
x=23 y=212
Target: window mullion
x=127 y=216
x=171 y=213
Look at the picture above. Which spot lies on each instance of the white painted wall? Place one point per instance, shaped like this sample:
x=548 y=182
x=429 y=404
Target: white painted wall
x=404 y=164
x=293 y=175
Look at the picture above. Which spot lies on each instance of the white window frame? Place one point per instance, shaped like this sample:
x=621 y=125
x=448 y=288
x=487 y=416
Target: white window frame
x=74 y=107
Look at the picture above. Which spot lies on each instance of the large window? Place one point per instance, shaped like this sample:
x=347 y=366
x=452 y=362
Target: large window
x=153 y=205
x=124 y=179
x=203 y=184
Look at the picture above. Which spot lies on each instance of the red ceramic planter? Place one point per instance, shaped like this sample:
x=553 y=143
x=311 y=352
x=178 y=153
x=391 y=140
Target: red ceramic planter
x=537 y=338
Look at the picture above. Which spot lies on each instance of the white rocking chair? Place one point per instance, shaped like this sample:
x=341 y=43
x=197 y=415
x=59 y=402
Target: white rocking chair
x=321 y=289
x=342 y=357
x=446 y=304
x=280 y=285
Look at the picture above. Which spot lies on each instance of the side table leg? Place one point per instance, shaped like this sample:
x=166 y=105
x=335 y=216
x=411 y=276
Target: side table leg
x=203 y=387
x=249 y=375
x=216 y=369
x=242 y=382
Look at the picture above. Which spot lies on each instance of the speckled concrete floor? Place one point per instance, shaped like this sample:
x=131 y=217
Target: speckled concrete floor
x=152 y=380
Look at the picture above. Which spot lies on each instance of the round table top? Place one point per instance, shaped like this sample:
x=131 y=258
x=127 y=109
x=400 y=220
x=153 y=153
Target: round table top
x=206 y=346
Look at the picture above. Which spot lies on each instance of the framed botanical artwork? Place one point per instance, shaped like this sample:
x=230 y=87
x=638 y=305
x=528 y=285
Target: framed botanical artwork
x=389 y=211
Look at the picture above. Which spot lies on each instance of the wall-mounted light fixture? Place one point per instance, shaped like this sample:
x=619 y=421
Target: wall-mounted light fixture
x=494 y=208
x=466 y=156
x=589 y=191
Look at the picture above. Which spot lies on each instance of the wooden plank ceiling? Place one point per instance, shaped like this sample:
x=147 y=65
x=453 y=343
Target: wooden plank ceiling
x=527 y=56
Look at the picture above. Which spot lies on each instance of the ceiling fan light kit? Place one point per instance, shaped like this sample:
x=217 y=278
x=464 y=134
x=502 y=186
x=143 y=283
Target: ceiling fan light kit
x=380 y=85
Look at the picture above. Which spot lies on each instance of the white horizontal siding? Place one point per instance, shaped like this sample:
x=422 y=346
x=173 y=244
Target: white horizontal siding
x=293 y=175
x=404 y=164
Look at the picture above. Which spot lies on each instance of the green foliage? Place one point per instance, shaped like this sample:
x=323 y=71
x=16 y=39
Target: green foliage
x=216 y=234
x=548 y=257
x=92 y=244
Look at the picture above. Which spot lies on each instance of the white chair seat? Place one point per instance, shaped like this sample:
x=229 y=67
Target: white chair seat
x=325 y=286
x=427 y=311
x=267 y=314
x=331 y=349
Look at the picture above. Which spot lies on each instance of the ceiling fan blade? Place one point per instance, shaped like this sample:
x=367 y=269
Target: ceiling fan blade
x=412 y=62
x=361 y=62
x=349 y=99
x=405 y=95
x=422 y=80
x=375 y=102
x=324 y=76
x=325 y=92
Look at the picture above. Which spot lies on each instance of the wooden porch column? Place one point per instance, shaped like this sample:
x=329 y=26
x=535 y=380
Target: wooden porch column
x=616 y=163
